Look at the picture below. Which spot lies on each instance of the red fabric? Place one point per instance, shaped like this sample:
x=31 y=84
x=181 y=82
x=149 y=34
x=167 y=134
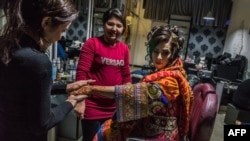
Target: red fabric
x=108 y=65
x=172 y=81
x=177 y=90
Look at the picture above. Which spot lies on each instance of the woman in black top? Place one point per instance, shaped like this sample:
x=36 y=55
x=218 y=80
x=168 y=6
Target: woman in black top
x=25 y=71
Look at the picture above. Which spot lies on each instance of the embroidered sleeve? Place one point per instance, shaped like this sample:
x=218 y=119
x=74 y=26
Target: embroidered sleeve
x=131 y=101
x=135 y=101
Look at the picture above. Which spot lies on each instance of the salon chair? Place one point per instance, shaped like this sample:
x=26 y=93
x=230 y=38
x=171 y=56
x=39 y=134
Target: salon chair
x=229 y=75
x=203 y=112
x=239 y=108
x=232 y=69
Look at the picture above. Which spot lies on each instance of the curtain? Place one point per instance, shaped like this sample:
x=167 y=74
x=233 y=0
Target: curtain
x=221 y=10
x=222 y=14
x=182 y=7
x=157 y=9
x=197 y=9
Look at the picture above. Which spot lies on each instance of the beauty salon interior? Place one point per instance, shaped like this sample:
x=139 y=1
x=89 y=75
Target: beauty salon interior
x=215 y=51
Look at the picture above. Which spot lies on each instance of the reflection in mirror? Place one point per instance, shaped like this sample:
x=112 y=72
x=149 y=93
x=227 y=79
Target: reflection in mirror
x=183 y=23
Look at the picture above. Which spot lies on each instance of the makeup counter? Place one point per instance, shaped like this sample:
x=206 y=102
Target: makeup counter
x=64 y=63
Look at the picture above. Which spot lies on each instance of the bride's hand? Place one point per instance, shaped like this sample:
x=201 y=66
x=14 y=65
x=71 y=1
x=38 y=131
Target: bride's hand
x=84 y=90
x=74 y=99
x=78 y=84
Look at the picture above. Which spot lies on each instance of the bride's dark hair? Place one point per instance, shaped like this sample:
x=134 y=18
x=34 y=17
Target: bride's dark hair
x=165 y=34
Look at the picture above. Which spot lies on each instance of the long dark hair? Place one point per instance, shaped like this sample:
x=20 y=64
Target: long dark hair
x=22 y=15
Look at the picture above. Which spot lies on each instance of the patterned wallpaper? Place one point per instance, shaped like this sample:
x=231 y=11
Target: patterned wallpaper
x=78 y=29
x=203 y=41
x=206 y=41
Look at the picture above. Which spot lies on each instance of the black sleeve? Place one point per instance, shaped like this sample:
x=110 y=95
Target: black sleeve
x=58 y=89
x=42 y=116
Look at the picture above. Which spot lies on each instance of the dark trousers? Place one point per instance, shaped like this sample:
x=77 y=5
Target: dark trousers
x=90 y=127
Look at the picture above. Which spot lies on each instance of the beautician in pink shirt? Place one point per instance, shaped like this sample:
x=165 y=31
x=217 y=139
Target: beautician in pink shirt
x=106 y=60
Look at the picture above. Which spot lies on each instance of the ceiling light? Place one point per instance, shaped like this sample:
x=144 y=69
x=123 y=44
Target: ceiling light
x=209 y=16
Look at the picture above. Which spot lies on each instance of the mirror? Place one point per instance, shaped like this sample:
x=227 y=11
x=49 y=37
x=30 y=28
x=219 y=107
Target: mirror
x=183 y=23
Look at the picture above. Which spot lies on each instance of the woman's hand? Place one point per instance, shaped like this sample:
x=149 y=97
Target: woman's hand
x=78 y=84
x=80 y=109
x=74 y=99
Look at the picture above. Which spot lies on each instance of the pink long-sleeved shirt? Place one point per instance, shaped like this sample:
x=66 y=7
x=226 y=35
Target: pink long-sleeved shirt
x=109 y=66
